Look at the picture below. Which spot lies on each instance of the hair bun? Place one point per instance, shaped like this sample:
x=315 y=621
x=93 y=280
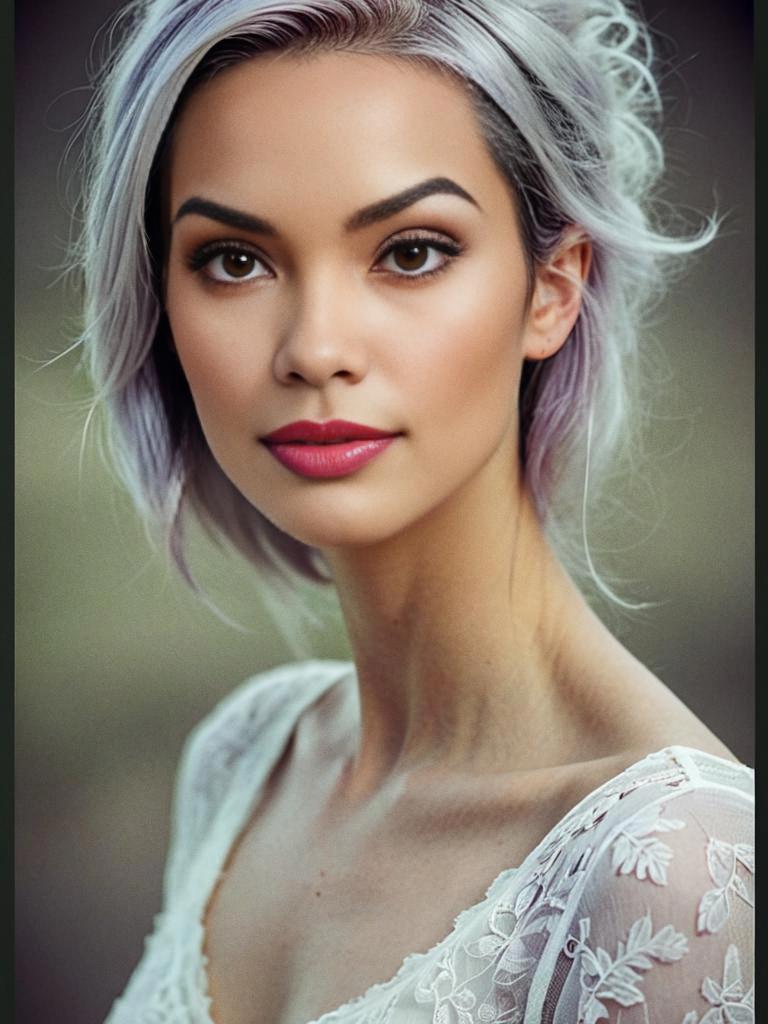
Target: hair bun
x=617 y=46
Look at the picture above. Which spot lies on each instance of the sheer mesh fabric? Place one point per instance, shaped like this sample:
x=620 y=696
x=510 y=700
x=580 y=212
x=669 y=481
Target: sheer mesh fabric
x=637 y=908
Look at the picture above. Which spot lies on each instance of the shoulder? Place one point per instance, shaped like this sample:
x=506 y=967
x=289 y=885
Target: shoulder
x=674 y=790
x=636 y=709
x=669 y=820
x=658 y=870
x=239 y=718
x=245 y=725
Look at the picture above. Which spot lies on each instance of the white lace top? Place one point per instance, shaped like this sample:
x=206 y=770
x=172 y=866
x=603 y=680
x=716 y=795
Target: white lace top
x=636 y=907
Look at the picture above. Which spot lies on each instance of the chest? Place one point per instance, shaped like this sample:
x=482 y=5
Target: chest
x=304 y=920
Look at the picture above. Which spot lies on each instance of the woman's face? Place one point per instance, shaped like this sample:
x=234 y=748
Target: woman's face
x=344 y=248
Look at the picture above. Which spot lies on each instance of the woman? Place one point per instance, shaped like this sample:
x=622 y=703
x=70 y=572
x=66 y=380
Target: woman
x=363 y=283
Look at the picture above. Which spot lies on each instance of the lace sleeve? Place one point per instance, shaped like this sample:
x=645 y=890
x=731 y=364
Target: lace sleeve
x=663 y=930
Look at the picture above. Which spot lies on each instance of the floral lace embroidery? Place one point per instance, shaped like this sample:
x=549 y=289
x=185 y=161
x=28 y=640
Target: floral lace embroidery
x=730 y=1003
x=583 y=820
x=518 y=933
x=484 y=971
x=723 y=860
x=508 y=954
x=617 y=978
x=636 y=852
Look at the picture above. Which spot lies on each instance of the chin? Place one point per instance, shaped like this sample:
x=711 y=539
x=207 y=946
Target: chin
x=338 y=535
x=330 y=524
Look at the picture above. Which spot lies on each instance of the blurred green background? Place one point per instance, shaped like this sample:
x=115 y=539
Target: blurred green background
x=117 y=660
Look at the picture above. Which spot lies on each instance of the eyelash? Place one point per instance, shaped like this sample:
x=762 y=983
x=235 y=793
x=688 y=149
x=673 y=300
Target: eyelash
x=203 y=256
x=450 y=249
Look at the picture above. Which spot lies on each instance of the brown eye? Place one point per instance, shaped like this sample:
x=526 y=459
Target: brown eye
x=410 y=257
x=418 y=257
x=237 y=264
x=231 y=265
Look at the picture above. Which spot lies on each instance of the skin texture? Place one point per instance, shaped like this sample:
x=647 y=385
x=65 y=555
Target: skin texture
x=489 y=698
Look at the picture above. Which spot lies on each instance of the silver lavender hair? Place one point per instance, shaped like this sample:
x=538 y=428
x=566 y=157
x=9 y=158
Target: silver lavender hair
x=566 y=98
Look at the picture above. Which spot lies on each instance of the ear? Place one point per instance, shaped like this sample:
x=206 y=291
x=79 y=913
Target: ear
x=556 y=300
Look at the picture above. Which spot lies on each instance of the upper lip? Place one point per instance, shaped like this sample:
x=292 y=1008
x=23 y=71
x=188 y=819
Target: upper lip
x=332 y=430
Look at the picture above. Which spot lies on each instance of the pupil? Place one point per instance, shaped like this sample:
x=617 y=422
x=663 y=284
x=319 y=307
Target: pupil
x=238 y=264
x=411 y=257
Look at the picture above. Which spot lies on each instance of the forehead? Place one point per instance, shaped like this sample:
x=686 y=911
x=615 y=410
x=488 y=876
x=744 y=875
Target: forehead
x=343 y=126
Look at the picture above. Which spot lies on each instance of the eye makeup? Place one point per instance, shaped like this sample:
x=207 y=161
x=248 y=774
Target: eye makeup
x=408 y=246
x=204 y=255
x=237 y=258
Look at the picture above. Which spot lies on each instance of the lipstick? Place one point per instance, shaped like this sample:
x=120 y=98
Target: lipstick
x=326 y=450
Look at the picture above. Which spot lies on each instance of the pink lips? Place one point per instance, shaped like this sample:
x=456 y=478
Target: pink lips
x=324 y=450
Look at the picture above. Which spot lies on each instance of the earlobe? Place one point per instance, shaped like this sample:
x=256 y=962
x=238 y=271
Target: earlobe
x=557 y=296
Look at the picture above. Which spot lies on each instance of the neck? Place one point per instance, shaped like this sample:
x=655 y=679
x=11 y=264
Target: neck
x=458 y=629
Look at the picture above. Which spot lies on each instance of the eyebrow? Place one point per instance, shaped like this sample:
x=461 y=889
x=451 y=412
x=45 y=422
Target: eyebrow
x=225 y=215
x=372 y=214
x=385 y=208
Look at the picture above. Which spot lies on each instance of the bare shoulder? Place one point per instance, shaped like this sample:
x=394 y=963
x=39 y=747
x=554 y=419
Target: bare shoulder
x=643 y=715
x=570 y=783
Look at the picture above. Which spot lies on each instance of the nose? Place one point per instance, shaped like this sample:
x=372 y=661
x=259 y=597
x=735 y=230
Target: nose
x=321 y=340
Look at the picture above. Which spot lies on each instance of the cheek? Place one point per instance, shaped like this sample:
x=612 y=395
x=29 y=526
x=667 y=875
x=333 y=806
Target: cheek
x=224 y=364
x=472 y=356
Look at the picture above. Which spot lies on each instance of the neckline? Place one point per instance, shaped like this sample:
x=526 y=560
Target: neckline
x=412 y=960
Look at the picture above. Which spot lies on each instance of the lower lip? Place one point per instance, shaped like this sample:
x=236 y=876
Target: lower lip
x=324 y=461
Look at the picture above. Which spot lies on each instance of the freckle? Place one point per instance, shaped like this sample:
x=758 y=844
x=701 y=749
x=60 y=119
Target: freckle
x=317 y=892
x=322 y=872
